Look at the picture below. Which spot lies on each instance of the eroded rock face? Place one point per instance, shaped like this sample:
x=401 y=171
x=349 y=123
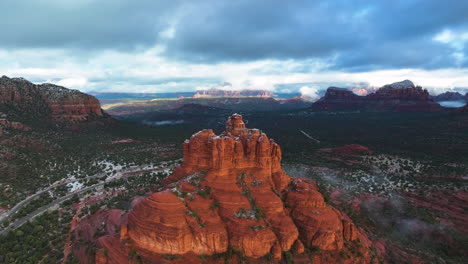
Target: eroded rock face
x=52 y=101
x=231 y=192
x=396 y=97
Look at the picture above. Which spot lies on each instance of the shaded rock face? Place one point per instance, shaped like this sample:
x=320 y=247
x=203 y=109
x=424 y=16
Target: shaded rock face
x=449 y=96
x=339 y=99
x=52 y=101
x=230 y=192
x=404 y=91
x=396 y=97
x=300 y=101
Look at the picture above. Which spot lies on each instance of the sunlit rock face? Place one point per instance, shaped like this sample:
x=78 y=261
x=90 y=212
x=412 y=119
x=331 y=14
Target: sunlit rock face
x=231 y=192
x=51 y=101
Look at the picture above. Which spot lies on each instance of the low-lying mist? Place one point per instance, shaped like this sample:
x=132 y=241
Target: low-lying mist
x=163 y=122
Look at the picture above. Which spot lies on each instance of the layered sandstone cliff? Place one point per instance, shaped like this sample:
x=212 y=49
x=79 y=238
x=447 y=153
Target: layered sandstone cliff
x=48 y=100
x=396 y=97
x=231 y=194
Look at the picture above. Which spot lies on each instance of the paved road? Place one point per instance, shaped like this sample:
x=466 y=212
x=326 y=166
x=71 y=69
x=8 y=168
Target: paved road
x=68 y=196
x=37 y=194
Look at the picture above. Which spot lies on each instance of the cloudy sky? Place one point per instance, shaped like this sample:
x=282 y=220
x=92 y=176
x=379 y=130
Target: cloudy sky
x=163 y=46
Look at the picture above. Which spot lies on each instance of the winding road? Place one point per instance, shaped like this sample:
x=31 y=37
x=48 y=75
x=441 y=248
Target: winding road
x=125 y=173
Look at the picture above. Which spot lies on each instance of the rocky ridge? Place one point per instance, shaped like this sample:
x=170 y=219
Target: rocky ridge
x=228 y=93
x=47 y=100
x=449 y=96
x=230 y=194
x=396 y=97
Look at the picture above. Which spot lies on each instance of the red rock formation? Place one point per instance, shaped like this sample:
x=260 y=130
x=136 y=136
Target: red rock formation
x=396 y=97
x=404 y=90
x=52 y=101
x=231 y=192
x=353 y=149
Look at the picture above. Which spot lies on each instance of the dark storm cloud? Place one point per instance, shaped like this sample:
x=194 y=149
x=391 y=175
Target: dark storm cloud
x=83 y=24
x=412 y=53
x=155 y=80
x=355 y=35
x=360 y=35
x=250 y=30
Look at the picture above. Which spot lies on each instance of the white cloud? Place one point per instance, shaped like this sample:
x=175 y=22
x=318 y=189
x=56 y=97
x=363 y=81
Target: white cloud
x=310 y=91
x=78 y=82
x=126 y=72
x=456 y=41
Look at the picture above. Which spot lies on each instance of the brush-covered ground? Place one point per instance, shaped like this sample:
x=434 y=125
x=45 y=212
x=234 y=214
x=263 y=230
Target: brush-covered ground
x=410 y=194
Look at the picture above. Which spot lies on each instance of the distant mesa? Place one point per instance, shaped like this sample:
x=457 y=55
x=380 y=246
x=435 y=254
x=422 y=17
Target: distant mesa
x=300 y=101
x=231 y=93
x=339 y=99
x=396 y=97
x=227 y=103
x=230 y=194
x=49 y=101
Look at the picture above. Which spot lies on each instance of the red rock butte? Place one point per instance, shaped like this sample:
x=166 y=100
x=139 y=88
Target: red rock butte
x=230 y=192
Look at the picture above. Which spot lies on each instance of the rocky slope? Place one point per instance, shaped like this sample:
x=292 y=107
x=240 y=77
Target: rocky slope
x=230 y=194
x=47 y=100
x=396 y=97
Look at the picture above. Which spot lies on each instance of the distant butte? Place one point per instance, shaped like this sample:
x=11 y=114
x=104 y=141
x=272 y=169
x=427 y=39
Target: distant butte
x=230 y=194
x=401 y=96
x=233 y=93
